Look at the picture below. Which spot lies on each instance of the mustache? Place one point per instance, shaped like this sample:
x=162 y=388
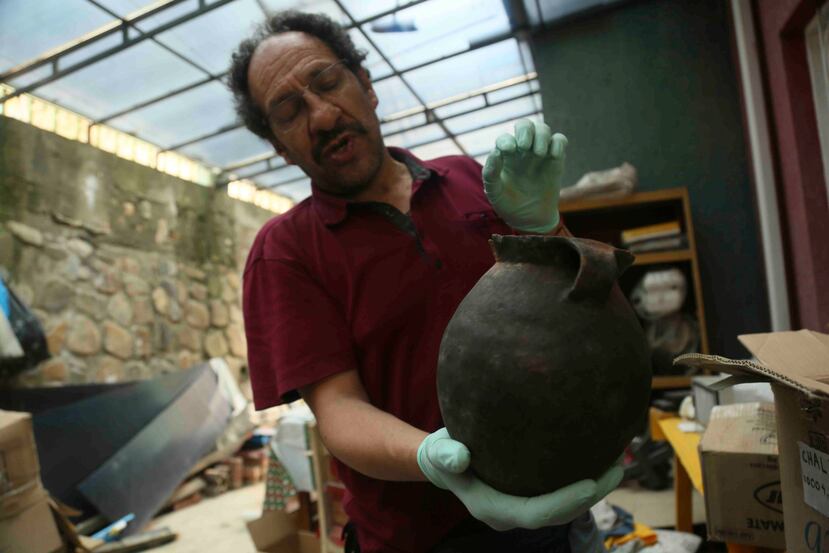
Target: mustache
x=325 y=138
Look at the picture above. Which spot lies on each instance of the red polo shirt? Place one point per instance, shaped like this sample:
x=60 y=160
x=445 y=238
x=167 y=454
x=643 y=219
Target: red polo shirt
x=332 y=286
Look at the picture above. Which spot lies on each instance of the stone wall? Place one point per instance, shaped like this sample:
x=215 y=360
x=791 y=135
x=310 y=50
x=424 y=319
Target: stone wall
x=132 y=272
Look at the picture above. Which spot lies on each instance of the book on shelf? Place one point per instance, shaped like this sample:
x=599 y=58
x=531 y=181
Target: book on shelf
x=660 y=244
x=650 y=232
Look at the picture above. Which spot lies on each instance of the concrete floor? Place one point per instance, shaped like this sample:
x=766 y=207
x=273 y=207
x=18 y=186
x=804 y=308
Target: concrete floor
x=217 y=525
x=655 y=509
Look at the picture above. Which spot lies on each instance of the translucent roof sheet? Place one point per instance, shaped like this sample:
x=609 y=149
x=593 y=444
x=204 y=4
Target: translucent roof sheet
x=254 y=168
x=377 y=68
x=210 y=39
x=482 y=141
x=393 y=96
x=284 y=174
x=407 y=139
x=452 y=32
x=28 y=29
x=298 y=191
x=194 y=113
x=228 y=147
x=444 y=28
x=437 y=149
x=121 y=80
x=471 y=71
x=360 y=9
x=513 y=109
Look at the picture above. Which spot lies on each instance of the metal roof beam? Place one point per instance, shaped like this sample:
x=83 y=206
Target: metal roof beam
x=53 y=55
x=220 y=76
x=400 y=115
x=406 y=113
x=157 y=99
x=440 y=103
x=177 y=54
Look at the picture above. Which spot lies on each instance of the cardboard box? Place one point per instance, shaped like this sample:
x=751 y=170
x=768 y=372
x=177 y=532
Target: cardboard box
x=18 y=452
x=26 y=521
x=276 y=532
x=706 y=396
x=740 y=476
x=32 y=530
x=797 y=365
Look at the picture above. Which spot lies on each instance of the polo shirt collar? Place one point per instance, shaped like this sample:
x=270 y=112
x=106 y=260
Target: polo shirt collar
x=333 y=210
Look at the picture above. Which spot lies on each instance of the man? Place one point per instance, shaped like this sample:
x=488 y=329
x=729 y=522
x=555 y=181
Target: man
x=347 y=295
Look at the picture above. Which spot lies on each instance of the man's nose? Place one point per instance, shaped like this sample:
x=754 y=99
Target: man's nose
x=322 y=114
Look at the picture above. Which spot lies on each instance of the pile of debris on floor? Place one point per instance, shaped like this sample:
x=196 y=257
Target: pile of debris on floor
x=85 y=468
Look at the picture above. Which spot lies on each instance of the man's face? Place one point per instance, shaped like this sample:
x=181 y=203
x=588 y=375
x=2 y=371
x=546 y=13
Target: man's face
x=335 y=137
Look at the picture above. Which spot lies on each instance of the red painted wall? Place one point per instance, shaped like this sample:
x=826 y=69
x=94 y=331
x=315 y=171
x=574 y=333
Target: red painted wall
x=802 y=193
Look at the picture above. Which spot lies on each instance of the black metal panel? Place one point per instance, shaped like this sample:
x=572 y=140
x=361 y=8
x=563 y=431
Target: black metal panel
x=143 y=474
x=37 y=400
x=75 y=439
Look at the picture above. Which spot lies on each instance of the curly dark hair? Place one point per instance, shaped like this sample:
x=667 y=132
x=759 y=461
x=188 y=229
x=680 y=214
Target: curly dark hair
x=315 y=24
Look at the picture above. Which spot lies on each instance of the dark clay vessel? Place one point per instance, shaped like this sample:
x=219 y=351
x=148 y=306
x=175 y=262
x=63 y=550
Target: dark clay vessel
x=544 y=371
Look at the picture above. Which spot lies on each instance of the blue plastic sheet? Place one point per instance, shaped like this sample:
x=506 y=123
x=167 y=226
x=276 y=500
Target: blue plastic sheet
x=4 y=299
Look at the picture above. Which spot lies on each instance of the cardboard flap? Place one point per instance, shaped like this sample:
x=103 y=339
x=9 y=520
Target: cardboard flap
x=798 y=358
x=747 y=370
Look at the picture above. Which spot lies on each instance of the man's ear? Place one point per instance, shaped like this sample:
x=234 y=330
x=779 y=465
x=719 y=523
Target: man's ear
x=280 y=150
x=365 y=80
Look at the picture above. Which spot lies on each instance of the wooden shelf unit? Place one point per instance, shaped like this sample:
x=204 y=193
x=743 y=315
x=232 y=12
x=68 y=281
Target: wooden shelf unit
x=320 y=459
x=605 y=218
x=669 y=256
x=670 y=382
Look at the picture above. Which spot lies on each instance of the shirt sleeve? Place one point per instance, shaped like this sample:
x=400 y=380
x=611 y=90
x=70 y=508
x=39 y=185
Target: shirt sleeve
x=296 y=333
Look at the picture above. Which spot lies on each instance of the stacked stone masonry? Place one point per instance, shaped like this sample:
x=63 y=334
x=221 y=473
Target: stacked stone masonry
x=131 y=272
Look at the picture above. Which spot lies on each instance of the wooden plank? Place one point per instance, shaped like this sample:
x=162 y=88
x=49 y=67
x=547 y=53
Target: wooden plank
x=670 y=382
x=654 y=416
x=686 y=448
x=669 y=256
x=682 y=490
x=138 y=542
x=632 y=199
x=697 y=280
x=317 y=454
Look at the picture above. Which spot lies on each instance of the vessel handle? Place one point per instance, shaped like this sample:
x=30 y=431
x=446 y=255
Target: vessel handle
x=600 y=266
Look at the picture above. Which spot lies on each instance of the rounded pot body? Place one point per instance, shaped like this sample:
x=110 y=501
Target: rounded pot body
x=544 y=371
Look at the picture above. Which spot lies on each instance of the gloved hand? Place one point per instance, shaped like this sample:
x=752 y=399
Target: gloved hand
x=444 y=462
x=522 y=177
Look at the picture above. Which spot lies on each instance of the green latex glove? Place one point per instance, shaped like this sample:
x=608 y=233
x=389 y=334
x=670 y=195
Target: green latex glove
x=522 y=177
x=444 y=461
